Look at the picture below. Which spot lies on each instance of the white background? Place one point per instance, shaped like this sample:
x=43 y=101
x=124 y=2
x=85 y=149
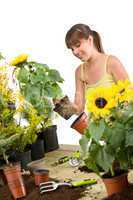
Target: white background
x=38 y=27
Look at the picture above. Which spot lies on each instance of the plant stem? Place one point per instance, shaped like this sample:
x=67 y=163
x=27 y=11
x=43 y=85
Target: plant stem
x=5 y=158
x=112 y=171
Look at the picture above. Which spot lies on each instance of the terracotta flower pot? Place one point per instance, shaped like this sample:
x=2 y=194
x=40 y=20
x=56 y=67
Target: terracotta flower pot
x=15 y=180
x=41 y=175
x=2 y=176
x=81 y=123
x=116 y=184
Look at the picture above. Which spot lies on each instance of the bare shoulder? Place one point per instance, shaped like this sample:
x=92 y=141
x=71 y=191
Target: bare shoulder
x=78 y=71
x=116 y=68
x=114 y=63
x=113 y=60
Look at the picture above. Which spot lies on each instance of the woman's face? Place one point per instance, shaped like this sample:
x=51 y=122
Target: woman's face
x=83 y=49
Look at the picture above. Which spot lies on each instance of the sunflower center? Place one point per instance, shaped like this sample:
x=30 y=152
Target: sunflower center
x=100 y=102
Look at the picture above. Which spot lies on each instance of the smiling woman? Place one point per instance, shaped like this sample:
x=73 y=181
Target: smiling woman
x=97 y=68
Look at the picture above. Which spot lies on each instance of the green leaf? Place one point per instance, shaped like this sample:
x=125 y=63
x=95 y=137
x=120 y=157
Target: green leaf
x=129 y=138
x=104 y=158
x=128 y=113
x=54 y=75
x=116 y=135
x=123 y=159
x=23 y=75
x=84 y=143
x=96 y=129
x=38 y=65
x=90 y=163
x=32 y=92
x=52 y=90
x=87 y=133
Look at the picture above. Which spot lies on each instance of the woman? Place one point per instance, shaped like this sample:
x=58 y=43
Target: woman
x=97 y=68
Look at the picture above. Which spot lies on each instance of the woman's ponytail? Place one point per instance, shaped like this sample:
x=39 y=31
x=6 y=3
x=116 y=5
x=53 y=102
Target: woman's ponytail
x=97 y=41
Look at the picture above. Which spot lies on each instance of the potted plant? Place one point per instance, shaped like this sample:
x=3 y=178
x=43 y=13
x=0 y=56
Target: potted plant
x=39 y=85
x=15 y=135
x=10 y=133
x=107 y=144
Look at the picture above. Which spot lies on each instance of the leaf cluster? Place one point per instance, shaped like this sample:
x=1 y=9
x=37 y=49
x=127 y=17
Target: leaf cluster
x=39 y=84
x=110 y=141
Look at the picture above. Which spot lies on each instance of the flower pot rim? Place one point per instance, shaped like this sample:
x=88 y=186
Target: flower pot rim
x=121 y=173
x=11 y=164
x=78 y=118
x=40 y=171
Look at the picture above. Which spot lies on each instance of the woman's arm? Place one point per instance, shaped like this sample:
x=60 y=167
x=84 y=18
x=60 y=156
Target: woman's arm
x=116 y=69
x=79 y=101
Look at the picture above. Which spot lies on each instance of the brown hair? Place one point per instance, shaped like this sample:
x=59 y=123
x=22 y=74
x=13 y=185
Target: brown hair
x=82 y=31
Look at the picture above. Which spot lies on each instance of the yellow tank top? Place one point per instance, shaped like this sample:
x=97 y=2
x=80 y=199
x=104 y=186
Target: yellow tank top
x=106 y=80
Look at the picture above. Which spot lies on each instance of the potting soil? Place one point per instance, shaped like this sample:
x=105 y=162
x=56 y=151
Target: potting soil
x=63 y=193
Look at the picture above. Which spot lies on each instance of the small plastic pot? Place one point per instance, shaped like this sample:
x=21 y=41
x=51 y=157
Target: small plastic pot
x=41 y=175
x=81 y=123
x=37 y=150
x=50 y=138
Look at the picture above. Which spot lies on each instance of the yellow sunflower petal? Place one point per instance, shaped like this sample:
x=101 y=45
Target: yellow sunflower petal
x=19 y=59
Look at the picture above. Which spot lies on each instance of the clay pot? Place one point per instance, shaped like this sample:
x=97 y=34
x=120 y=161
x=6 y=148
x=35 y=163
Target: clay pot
x=116 y=184
x=41 y=175
x=15 y=180
x=81 y=123
x=2 y=177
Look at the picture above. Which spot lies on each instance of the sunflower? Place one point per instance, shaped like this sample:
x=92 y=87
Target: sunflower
x=125 y=91
x=100 y=100
x=19 y=59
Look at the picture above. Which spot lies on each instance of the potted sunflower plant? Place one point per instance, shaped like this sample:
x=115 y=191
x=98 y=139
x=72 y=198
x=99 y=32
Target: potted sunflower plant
x=107 y=144
x=39 y=84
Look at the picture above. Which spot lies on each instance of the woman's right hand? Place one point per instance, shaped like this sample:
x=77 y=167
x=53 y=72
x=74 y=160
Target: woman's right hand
x=56 y=101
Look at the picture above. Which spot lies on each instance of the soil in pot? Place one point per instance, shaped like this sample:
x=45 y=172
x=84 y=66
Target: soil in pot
x=64 y=108
x=86 y=170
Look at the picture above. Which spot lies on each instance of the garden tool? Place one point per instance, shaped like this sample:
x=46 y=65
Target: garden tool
x=51 y=185
x=74 y=160
x=61 y=160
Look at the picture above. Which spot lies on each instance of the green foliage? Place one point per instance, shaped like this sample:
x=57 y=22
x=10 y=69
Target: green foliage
x=39 y=84
x=110 y=141
x=14 y=136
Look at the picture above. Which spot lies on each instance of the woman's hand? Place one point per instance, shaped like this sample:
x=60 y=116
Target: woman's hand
x=64 y=107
